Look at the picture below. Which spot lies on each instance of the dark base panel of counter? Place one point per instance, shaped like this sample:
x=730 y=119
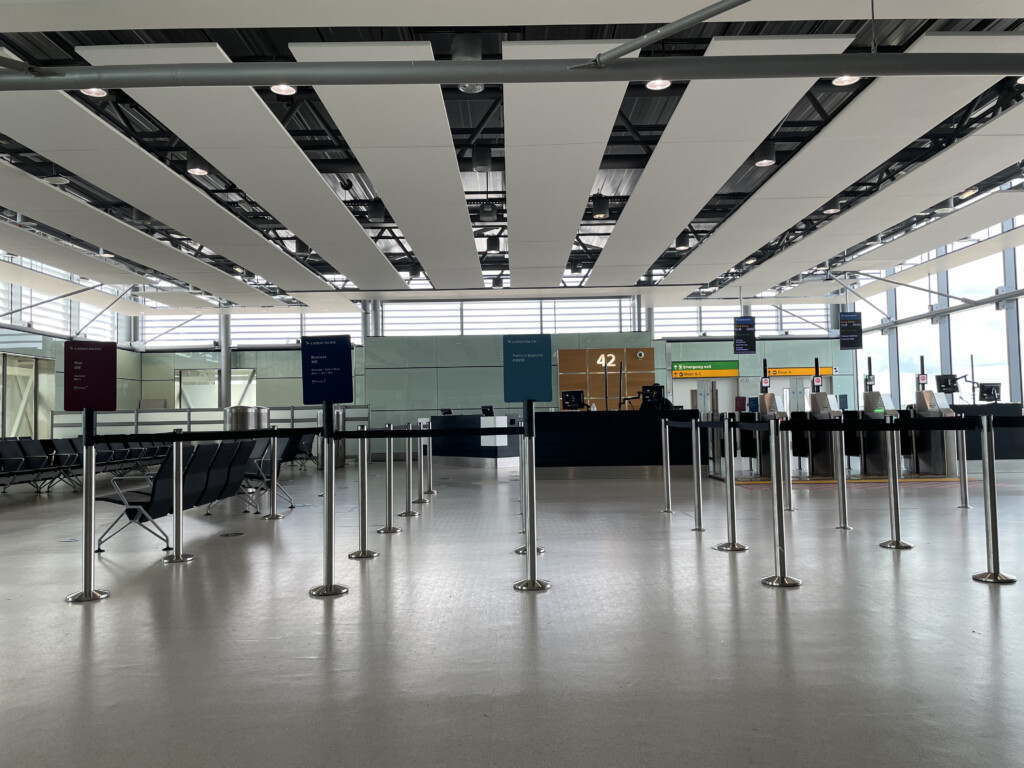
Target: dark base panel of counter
x=1009 y=442
x=611 y=438
x=469 y=446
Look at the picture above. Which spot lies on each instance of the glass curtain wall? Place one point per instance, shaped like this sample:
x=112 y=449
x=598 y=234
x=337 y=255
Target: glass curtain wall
x=978 y=336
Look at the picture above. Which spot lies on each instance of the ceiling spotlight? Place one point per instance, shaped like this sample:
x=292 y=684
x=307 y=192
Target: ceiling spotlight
x=468 y=47
x=970 y=192
x=284 y=90
x=497 y=282
x=764 y=155
x=683 y=241
x=658 y=84
x=750 y=260
x=576 y=268
x=832 y=207
x=105 y=254
x=57 y=180
x=1020 y=80
x=494 y=244
x=846 y=80
x=946 y=207
x=239 y=270
x=96 y=93
x=487 y=212
x=601 y=207
x=375 y=212
x=196 y=165
x=415 y=272
x=482 y=158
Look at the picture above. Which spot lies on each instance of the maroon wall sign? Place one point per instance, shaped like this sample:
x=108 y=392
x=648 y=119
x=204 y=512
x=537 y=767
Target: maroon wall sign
x=90 y=375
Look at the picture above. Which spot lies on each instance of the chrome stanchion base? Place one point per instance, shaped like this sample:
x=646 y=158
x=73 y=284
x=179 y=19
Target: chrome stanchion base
x=430 y=492
x=781 y=581
x=965 y=506
x=522 y=550
x=532 y=585
x=96 y=594
x=894 y=544
x=328 y=590
x=362 y=554
x=699 y=530
x=994 y=578
x=844 y=527
x=730 y=546
x=182 y=558
x=669 y=511
x=421 y=500
x=410 y=513
x=272 y=516
x=389 y=529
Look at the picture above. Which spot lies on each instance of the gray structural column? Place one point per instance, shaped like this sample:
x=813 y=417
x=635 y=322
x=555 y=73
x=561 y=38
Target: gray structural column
x=225 y=361
x=1012 y=320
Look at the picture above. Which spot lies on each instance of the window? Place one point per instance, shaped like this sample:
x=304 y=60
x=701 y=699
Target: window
x=500 y=317
x=350 y=323
x=917 y=340
x=102 y=328
x=180 y=330
x=805 y=320
x=676 y=322
x=583 y=316
x=265 y=329
x=979 y=336
x=422 y=318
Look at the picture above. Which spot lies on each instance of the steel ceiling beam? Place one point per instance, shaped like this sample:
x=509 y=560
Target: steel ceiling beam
x=520 y=71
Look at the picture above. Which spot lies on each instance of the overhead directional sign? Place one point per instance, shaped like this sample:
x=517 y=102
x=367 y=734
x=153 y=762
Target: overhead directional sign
x=800 y=371
x=326 y=369
x=90 y=375
x=744 y=337
x=851 y=332
x=527 y=363
x=706 y=369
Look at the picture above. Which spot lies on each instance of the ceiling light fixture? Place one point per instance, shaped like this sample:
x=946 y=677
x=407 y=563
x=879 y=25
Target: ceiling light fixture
x=57 y=180
x=497 y=282
x=970 y=192
x=764 y=155
x=600 y=207
x=239 y=270
x=468 y=47
x=96 y=93
x=482 y=158
x=946 y=207
x=196 y=165
x=658 y=84
x=1020 y=80
x=750 y=260
x=283 y=89
x=493 y=244
x=487 y=212
x=375 y=212
x=832 y=207
x=106 y=255
x=683 y=241
x=844 y=80
x=415 y=272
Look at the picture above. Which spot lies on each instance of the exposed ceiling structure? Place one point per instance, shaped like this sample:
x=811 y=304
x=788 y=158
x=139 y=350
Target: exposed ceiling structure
x=318 y=196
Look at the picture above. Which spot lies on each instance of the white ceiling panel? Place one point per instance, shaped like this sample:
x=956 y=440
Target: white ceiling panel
x=401 y=137
x=555 y=137
x=263 y=160
x=62 y=130
x=887 y=116
x=988 y=150
x=27 y=244
x=50 y=15
x=714 y=129
x=55 y=286
x=69 y=214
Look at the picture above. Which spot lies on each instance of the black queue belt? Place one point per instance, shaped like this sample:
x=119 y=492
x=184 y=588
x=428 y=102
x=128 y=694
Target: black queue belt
x=1010 y=422
x=959 y=424
x=363 y=434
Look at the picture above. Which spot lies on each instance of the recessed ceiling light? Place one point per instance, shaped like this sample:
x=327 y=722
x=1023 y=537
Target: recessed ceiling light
x=284 y=90
x=96 y=93
x=846 y=80
x=658 y=84
x=764 y=155
x=57 y=180
x=970 y=192
x=601 y=207
x=196 y=165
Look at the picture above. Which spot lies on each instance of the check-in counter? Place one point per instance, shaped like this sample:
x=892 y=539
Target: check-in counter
x=476 y=450
x=611 y=438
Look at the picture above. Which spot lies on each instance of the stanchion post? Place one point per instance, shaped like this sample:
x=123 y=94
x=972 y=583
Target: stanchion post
x=409 y=511
x=781 y=578
x=364 y=552
x=328 y=588
x=272 y=482
x=988 y=467
x=666 y=467
x=89 y=592
x=421 y=470
x=698 y=500
x=839 y=469
x=177 y=472
x=531 y=583
x=730 y=493
x=524 y=483
x=787 y=469
x=430 y=491
x=961 y=465
x=389 y=482
x=892 y=455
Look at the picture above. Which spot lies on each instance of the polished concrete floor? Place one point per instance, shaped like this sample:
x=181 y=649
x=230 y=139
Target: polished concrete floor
x=650 y=649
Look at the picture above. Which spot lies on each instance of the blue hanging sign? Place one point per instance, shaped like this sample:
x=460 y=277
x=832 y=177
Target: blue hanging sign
x=326 y=369
x=527 y=363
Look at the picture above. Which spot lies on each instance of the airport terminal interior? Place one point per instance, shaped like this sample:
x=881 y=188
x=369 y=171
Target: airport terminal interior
x=484 y=384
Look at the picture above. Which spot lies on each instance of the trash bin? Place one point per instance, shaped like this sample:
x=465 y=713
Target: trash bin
x=242 y=417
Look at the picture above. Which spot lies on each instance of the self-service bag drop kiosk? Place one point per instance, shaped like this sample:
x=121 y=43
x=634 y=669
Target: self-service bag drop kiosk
x=934 y=451
x=823 y=407
x=877 y=405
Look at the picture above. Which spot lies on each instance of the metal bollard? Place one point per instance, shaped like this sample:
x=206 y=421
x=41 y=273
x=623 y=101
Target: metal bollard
x=961 y=464
x=781 y=578
x=272 y=479
x=430 y=491
x=988 y=468
x=329 y=588
x=531 y=583
x=177 y=470
x=787 y=469
x=839 y=468
x=892 y=456
x=666 y=467
x=730 y=494
x=364 y=552
x=389 y=482
x=698 y=501
x=421 y=469
x=409 y=511
x=89 y=591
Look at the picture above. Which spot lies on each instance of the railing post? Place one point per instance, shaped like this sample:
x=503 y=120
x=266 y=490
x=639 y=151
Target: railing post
x=329 y=588
x=698 y=501
x=364 y=552
x=730 y=493
x=666 y=467
x=781 y=578
x=389 y=482
x=839 y=469
x=961 y=464
x=892 y=455
x=988 y=467
x=272 y=482
x=421 y=469
x=409 y=511
x=531 y=583
x=89 y=591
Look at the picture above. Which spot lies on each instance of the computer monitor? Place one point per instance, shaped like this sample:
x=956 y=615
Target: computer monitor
x=652 y=393
x=487 y=410
x=572 y=400
x=989 y=393
x=446 y=411
x=947 y=383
